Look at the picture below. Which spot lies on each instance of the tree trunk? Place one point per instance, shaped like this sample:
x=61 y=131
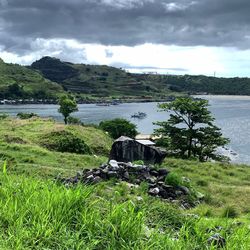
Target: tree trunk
x=65 y=120
x=190 y=146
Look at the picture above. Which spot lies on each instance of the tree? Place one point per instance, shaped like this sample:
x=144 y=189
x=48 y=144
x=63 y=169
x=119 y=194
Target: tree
x=14 y=90
x=190 y=129
x=118 y=127
x=68 y=105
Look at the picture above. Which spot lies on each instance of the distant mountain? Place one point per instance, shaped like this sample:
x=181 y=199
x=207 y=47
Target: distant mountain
x=109 y=81
x=209 y=85
x=19 y=82
x=100 y=81
x=48 y=77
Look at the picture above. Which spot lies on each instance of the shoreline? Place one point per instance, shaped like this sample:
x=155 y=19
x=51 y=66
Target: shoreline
x=99 y=101
x=117 y=100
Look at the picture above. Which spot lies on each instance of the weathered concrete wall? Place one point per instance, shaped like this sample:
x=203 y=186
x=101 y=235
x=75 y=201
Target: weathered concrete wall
x=125 y=149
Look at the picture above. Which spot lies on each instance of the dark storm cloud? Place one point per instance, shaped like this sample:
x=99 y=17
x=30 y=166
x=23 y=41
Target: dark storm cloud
x=126 y=22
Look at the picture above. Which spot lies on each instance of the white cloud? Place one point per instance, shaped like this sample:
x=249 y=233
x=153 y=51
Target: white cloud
x=173 y=6
x=141 y=58
x=125 y=4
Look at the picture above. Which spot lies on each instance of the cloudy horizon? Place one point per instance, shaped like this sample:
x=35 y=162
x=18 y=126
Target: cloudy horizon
x=170 y=37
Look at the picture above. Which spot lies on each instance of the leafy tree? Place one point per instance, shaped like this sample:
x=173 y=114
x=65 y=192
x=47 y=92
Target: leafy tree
x=118 y=127
x=190 y=129
x=14 y=90
x=68 y=105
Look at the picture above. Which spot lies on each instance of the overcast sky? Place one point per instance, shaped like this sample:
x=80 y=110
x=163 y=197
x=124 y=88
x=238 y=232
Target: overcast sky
x=175 y=37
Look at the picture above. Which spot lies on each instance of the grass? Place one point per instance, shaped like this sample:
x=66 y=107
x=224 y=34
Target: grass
x=29 y=80
x=38 y=213
x=21 y=145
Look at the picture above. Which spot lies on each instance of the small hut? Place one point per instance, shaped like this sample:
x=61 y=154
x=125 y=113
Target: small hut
x=126 y=149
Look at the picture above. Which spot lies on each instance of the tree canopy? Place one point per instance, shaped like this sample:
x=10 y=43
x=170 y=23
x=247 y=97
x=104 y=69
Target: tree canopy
x=118 y=127
x=68 y=105
x=190 y=130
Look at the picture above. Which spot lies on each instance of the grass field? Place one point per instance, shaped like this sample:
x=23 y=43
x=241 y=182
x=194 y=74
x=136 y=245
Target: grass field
x=38 y=213
x=20 y=144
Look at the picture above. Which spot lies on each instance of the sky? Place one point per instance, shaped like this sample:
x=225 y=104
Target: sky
x=210 y=37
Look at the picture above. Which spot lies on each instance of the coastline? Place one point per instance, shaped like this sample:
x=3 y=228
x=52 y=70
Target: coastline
x=80 y=101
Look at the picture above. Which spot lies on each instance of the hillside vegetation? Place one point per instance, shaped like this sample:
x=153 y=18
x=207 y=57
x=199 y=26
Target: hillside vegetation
x=40 y=213
x=48 y=77
x=102 y=81
x=19 y=82
x=30 y=146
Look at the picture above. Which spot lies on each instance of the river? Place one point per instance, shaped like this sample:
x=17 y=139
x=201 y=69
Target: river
x=232 y=114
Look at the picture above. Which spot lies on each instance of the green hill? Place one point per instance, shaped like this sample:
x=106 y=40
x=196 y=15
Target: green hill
x=18 y=82
x=40 y=213
x=100 y=80
x=103 y=81
x=48 y=77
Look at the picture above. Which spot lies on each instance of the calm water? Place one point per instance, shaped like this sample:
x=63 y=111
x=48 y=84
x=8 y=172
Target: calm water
x=232 y=114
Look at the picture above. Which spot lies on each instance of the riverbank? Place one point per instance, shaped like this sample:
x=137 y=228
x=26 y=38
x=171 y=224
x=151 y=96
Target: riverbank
x=110 y=101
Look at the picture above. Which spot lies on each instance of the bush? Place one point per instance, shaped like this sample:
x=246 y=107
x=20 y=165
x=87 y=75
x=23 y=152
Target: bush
x=173 y=179
x=74 y=120
x=119 y=127
x=24 y=116
x=3 y=116
x=64 y=141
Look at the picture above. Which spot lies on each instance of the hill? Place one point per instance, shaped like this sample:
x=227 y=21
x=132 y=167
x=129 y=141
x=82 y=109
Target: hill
x=19 y=82
x=103 y=81
x=40 y=213
x=48 y=77
x=100 y=80
x=209 y=85
x=27 y=145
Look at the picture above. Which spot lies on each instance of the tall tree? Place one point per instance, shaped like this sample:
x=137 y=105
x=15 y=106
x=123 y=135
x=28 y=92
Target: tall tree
x=67 y=105
x=190 y=129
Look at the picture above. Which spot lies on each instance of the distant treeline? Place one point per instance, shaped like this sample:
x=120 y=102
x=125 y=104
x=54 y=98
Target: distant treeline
x=209 y=85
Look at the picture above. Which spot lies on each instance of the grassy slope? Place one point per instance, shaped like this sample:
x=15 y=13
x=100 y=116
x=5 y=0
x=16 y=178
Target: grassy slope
x=20 y=143
x=96 y=81
x=30 y=80
x=105 y=81
x=39 y=214
x=100 y=80
x=224 y=184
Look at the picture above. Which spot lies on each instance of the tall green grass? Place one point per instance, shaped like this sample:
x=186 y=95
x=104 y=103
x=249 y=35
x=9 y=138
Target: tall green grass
x=38 y=214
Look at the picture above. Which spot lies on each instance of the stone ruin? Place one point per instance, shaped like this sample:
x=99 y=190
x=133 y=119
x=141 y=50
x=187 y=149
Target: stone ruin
x=126 y=149
x=133 y=174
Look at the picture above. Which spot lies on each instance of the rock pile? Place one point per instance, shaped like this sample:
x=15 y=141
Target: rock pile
x=134 y=174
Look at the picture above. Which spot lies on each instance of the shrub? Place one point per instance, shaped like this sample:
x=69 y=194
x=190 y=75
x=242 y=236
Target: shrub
x=24 y=116
x=64 y=141
x=3 y=116
x=74 y=120
x=173 y=179
x=163 y=142
x=119 y=127
x=139 y=162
